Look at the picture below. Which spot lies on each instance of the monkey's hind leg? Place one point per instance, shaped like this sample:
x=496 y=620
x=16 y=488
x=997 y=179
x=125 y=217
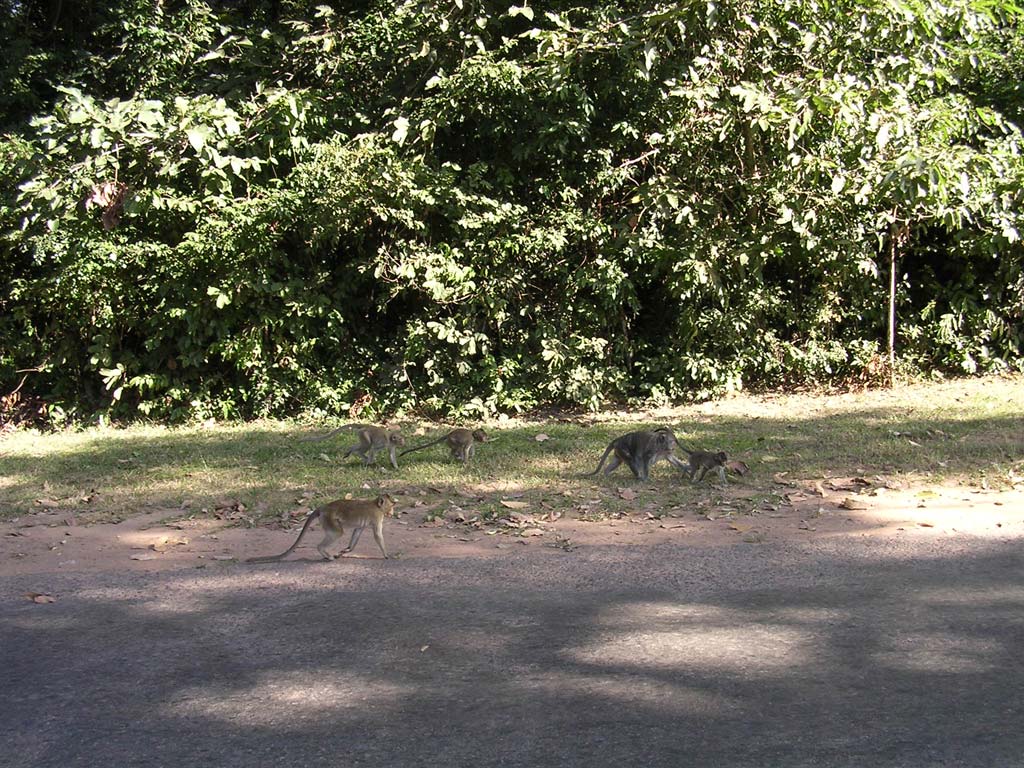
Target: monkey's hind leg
x=638 y=467
x=613 y=463
x=330 y=536
x=356 y=533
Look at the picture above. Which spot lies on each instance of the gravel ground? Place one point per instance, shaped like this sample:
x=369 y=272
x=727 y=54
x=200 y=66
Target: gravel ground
x=862 y=647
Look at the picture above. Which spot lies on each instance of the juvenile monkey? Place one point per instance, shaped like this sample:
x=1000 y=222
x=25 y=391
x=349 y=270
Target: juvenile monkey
x=640 y=451
x=373 y=439
x=334 y=516
x=705 y=461
x=461 y=442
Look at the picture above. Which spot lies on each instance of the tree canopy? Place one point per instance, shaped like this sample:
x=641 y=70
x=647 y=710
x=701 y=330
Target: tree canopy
x=464 y=207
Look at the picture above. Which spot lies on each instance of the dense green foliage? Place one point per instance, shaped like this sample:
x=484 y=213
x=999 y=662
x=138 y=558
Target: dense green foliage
x=251 y=208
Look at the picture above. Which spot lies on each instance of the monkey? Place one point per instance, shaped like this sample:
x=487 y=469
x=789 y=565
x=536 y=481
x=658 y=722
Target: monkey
x=373 y=439
x=640 y=451
x=705 y=461
x=461 y=443
x=356 y=513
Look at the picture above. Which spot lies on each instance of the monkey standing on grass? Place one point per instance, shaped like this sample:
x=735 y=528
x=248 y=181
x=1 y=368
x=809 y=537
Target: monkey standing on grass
x=371 y=439
x=461 y=443
x=640 y=451
x=706 y=461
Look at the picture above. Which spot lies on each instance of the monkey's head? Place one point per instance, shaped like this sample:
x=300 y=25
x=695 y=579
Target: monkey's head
x=479 y=435
x=387 y=502
x=395 y=438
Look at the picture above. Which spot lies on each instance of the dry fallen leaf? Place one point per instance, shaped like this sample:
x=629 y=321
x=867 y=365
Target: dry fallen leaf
x=541 y=437
x=738 y=467
x=628 y=494
x=514 y=504
x=851 y=503
x=532 y=532
x=40 y=597
x=165 y=542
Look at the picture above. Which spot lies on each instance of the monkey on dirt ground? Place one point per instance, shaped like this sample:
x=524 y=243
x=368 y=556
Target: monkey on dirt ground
x=334 y=516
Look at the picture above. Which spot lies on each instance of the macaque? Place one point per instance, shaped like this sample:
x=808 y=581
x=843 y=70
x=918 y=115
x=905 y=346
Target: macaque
x=461 y=442
x=640 y=451
x=705 y=461
x=334 y=516
x=373 y=439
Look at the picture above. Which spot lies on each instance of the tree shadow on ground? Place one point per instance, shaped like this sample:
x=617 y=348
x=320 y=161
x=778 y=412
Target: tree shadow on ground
x=665 y=655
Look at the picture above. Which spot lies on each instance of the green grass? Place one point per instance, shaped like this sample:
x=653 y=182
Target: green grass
x=968 y=431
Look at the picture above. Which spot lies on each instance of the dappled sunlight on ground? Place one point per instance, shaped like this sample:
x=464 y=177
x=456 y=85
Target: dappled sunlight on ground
x=682 y=636
x=939 y=653
x=947 y=510
x=289 y=701
x=668 y=696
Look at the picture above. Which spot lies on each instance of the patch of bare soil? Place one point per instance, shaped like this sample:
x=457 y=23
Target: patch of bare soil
x=49 y=542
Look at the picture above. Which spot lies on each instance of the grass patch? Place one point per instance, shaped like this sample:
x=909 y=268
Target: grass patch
x=966 y=431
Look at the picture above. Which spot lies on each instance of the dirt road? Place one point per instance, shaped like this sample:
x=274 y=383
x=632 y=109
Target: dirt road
x=891 y=636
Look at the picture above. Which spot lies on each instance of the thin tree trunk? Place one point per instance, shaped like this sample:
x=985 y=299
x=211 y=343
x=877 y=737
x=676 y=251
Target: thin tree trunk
x=892 y=309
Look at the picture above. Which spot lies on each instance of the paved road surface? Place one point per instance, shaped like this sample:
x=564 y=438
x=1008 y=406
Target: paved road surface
x=837 y=652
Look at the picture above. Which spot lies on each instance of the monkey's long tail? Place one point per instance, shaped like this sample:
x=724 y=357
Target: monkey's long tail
x=601 y=462
x=274 y=558
x=425 y=445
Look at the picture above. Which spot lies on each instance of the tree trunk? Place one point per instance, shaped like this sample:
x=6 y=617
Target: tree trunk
x=892 y=308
